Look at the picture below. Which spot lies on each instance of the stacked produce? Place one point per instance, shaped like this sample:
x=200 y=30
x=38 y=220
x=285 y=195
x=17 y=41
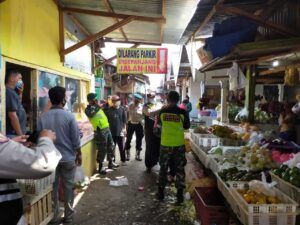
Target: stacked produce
x=233 y=174
x=257 y=157
x=201 y=130
x=291 y=175
x=252 y=197
x=224 y=132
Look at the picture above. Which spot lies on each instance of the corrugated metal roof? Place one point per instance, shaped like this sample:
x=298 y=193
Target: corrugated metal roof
x=178 y=15
x=289 y=16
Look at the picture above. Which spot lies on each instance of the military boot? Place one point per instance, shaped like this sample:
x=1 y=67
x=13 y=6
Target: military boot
x=138 y=155
x=179 y=196
x=127 y=154
x=160 y=194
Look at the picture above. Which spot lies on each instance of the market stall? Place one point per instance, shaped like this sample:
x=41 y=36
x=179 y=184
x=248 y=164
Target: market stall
x=237 y=156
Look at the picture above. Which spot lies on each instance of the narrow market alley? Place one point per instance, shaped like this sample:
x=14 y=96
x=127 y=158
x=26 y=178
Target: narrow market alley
x=127 y=205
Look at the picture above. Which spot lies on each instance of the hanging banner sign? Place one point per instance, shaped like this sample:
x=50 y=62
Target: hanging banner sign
x=142 y=60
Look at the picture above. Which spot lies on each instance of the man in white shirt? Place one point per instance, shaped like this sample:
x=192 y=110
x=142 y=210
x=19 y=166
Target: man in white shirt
x=20 y=162
x=135 y=117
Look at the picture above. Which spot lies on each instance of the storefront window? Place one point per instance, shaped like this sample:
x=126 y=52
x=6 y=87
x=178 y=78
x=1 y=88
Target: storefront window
x=72 y=95
x=46 y=81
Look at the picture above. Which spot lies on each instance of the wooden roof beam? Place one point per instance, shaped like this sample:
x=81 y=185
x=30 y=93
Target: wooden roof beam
x=114 y=15
x=110 y=9
x=141 y=42
x=276 y=70
x=260 y=21
x=98 y=35
x=111 y=59
x=163 y=14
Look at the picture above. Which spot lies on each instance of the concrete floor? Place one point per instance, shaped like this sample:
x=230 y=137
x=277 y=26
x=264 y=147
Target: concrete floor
x=127 y=205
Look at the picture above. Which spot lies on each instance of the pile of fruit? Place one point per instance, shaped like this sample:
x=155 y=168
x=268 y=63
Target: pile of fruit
x=201 y=130
x=233 y=174
x=257 y=157
x=252 y=197
x=224 y=132
x=291 y=175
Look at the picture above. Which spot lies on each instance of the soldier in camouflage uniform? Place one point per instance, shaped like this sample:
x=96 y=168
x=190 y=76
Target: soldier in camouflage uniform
x=103 y=137
x=173 y=121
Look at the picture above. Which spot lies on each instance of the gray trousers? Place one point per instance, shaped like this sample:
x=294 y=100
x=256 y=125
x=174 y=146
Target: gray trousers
x=65 y=171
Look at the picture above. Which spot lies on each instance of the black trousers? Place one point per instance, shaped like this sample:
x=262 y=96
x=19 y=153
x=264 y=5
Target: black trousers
x=118 y=140
x=139 y=133
x=11 y=212
x=152 y=148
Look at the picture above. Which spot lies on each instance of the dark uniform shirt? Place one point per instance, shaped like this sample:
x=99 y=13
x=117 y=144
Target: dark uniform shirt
x=13 y=104
x=117 y=120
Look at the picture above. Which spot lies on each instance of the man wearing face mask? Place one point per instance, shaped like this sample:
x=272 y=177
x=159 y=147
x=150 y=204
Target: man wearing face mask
x=103 y=137
x=15 y=113
x=116 y=116
x=134 y=125
x=67 y=142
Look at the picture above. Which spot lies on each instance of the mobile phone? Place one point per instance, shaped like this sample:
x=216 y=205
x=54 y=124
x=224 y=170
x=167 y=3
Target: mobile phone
x=33 y=137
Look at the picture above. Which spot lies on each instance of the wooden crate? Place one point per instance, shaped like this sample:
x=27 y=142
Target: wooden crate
x=39 y=210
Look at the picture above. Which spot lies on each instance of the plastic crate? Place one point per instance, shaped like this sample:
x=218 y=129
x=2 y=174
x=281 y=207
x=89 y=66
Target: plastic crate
x=288 y=205
x=287 y=188
x=230 y=142
x=210 y=207
x=224 y=188
x=213 y=164
x=264 y=214
x=202 y=156
x=36 y=187
x=207 y=141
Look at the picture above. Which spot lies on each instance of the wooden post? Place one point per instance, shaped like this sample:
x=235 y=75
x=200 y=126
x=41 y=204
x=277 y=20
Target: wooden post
x=224 y=94
x=61 y=35
x=250 y=92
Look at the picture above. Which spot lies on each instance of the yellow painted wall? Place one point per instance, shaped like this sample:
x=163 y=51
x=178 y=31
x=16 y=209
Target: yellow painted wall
x=89 y=154
x=29 y=32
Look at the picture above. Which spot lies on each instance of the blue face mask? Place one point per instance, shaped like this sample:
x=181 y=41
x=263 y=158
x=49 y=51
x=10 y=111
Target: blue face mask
x=19 y=84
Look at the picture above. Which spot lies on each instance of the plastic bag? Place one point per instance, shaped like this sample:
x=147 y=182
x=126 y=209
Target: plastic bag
x=255 y=137
x=79 y=175
x=262 y=186
x=237 y=78
x=294 y=162
x=218 y=150
x=296 y=109
x=242 y=115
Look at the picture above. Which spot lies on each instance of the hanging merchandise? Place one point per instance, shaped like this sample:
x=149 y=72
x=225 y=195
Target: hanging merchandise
x=237 y=78
x=202 y=88
x=291 y=76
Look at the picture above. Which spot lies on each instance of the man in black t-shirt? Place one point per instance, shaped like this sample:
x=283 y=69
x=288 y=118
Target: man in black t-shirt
x=15 y=113
x=116 y=116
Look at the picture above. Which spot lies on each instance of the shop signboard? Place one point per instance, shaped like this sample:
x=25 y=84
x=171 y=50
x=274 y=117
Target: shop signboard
x=142 y=60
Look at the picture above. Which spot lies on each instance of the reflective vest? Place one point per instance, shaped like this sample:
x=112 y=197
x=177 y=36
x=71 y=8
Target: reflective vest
x=99 y=120
x=172 y=132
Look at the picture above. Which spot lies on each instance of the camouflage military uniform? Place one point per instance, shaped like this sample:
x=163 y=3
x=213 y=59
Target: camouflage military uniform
x=104 y=143
x=176 y=155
